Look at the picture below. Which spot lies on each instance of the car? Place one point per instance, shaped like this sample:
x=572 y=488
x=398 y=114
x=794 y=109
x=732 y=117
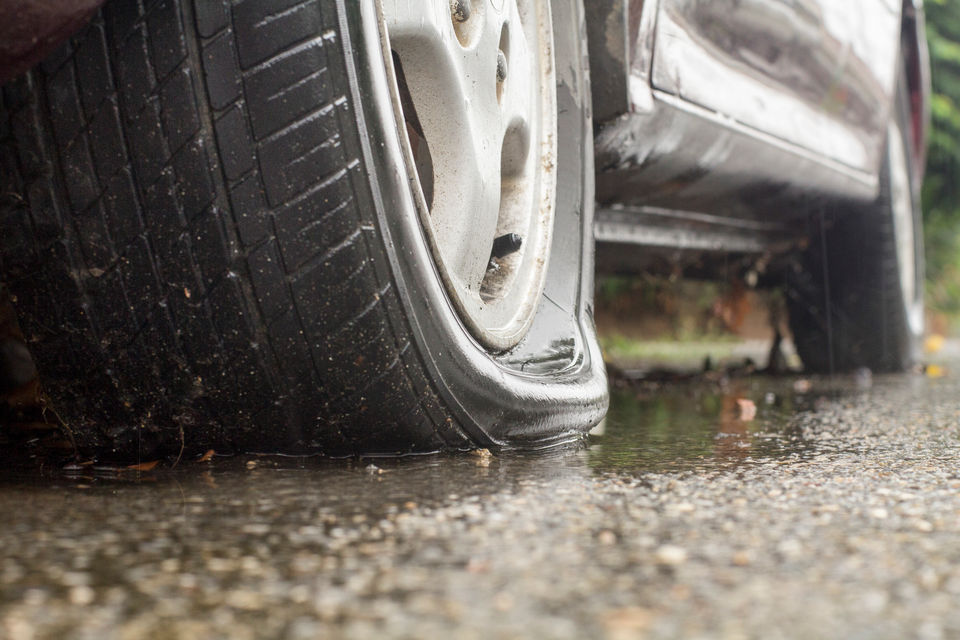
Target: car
x=775 y=141
x=335 y=226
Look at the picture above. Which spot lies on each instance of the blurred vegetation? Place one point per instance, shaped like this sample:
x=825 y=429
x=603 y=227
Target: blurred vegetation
x=650 y=291
x=618 y=348
x=659 y=308
x=940 y=190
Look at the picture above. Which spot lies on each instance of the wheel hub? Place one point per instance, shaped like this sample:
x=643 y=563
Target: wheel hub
x=476 y=97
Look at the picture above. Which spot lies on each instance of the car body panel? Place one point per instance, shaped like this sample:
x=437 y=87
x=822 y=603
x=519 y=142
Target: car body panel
x=816 y=73
x=771 y=129
x=683 y=156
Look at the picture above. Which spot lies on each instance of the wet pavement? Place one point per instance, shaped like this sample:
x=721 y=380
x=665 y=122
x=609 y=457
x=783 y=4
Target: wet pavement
x=834 y=512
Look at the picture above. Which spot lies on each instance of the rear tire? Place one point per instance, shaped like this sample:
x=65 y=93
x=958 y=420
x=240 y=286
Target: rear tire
x=211 y=246
x=856 y=297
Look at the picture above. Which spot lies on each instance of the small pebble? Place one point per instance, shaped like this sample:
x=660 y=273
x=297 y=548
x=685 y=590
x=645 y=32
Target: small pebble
x=670 y=555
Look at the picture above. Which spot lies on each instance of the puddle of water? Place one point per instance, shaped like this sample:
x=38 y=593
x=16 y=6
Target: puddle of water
x=228 y=488
x=697 y=424
x=692 y=425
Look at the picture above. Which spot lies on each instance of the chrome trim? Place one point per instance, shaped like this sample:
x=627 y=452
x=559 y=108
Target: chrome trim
x=669 y=228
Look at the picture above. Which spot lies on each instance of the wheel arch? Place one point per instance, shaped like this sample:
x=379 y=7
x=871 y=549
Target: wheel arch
x=916 y=60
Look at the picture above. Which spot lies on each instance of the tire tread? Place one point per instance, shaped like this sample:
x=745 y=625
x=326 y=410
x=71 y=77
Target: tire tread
x=214 y=272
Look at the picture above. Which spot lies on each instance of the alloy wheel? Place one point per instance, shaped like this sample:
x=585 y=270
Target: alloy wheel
x=476 y=97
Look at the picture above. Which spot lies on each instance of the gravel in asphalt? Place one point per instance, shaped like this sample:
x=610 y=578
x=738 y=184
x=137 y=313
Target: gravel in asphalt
x=834 y=513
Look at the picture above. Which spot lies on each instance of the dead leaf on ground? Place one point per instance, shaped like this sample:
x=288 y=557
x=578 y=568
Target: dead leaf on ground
x=935 y=371
x=143 y=466
x=483 y=457
x=933 y=343
x=627 y=622
x=208 y=456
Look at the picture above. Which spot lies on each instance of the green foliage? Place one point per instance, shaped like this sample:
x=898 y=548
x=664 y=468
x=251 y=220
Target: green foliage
x=940 y=190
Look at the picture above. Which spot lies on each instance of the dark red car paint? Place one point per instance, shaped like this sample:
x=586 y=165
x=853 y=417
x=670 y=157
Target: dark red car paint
x=31 y=29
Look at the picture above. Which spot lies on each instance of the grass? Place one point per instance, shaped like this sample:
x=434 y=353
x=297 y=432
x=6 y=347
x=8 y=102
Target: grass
x=619 y=348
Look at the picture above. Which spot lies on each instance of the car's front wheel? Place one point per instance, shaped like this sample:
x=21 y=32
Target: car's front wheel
x=303 y=227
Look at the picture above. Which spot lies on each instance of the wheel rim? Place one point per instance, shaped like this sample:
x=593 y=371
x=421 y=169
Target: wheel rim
x=476 y=98
x=905 y=230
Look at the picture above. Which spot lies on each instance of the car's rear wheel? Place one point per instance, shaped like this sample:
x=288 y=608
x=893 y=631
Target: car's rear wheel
x=856 y=299
x=307 y=227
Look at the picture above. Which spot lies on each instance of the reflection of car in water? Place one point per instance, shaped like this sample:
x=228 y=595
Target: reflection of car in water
x=338 y=226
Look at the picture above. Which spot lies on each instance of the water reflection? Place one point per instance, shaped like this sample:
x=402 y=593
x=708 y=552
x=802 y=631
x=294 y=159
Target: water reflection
x=696 y=424
x=693 y=425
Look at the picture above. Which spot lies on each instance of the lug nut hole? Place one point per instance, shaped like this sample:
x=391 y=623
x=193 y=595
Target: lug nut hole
x=467 y=19
x=503 y=53
x=460 y=10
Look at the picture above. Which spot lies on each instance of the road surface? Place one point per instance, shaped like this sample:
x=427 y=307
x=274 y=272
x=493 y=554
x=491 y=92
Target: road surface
x=833 y=513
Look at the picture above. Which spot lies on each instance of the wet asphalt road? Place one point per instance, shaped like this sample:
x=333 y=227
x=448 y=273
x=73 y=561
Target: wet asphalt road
x=834 y=513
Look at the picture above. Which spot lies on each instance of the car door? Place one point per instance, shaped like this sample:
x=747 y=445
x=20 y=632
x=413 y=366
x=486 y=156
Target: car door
x=815 y=73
